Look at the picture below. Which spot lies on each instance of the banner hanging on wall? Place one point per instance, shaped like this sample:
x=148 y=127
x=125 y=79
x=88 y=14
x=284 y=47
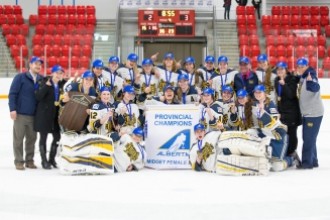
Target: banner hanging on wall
x=169 y=134
x=166 y=3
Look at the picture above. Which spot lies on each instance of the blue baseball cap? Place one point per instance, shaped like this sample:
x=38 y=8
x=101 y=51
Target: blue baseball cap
x=129 y=89
x=147 y=61
x=132 y=57
x=283 y=65
x=114 y=59
x=169 y=56
x=199 y=126
x=36 y=59
x=262 y=58
x=209 y=59
x=183 y=76
x=57 y=68
x=97 y=63
x=259 y=88
x=302 y=62
x=138 y=131
x=242 y=93
x=88 y=74
x=208 y=91
x=223 y=59
x=168 y=87
x=227 y=88
x=189 y=60
x=105 y=89
x=245 y=60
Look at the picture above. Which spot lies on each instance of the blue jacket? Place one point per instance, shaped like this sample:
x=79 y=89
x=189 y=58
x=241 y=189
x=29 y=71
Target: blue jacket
x=22 y=94
x=247 y=84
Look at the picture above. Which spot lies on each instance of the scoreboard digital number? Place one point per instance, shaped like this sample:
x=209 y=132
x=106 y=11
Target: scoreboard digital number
x=166 y=23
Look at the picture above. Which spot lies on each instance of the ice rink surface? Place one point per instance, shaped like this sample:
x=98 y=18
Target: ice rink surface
x=170 y=194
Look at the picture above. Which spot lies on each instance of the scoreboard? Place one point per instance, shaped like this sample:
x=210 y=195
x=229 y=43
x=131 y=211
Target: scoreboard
x=166 y=23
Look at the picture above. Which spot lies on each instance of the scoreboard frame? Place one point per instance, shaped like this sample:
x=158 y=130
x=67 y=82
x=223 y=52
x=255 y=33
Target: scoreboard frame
x=166 y=23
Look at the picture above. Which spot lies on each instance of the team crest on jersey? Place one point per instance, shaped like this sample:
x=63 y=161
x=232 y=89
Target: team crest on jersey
x=180 y=141
x=96 y=106
x=130 y=120
x=192 y=99
x=251 y=81
x=225 y=119
x=131 y=152
x=207 y=151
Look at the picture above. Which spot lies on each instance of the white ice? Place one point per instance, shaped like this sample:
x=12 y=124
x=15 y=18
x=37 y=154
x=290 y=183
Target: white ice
x=171 y=194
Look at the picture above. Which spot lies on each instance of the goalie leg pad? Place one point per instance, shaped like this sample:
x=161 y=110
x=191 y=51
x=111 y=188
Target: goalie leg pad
x=240 y=146
x=234 y=165
x=86 y=165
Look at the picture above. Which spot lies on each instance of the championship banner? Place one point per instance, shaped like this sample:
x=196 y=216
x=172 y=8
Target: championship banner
x=169 y=135
x=206 y=4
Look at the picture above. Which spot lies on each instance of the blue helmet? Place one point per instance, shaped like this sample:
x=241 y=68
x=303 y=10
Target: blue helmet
x=262 y=58
x=223 y=59
x=88 y=74
x=209 y=59
x=302 y=62
x=208 y=91
x=57 y=68
x=227 y=88
x=283 y=65
x=138 y=131
x=245 y=60
x=189 y=60
x=114 y=59
x=260 y=88
x=242 y=93
x=199 y=126
x=183 y=76
x=147 y=61
x=105 y=89
x=168 y=87
x=129 y=89
x=97 y=63
x=169 y=56
x=132 y=57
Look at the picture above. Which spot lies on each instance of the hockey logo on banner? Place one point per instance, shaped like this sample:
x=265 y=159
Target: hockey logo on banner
x=169 y=135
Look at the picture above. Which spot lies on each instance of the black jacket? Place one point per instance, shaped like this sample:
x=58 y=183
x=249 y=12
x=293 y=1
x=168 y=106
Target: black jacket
x=288 y=106
x=46 y=118
x=242 y=2
x=256 y=4
x=247 y=84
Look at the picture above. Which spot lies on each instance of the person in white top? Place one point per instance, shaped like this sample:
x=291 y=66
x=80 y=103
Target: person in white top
x=222 y=76
x=167 y=73
x=266 y=76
